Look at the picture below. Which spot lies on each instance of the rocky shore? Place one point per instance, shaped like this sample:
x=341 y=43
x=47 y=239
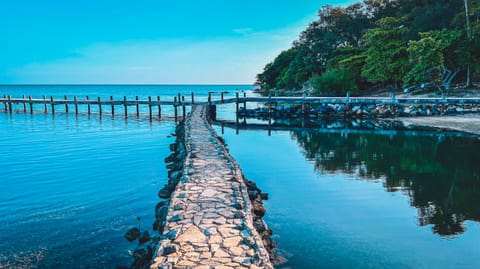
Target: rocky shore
x=356 y=111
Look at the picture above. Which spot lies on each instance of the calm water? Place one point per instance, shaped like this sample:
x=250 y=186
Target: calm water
x=72 y=186
x=367 y=201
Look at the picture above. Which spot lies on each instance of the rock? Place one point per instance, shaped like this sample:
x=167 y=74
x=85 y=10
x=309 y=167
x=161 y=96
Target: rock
x=237 y=205
x=171 y=159
x=144 y=237
x=258 y=209
x=259 y=226
x=164 y=193
x=193 y=235
x=161 y=213
x=132 y=234
x=253 y=194
x=142 y=255
x=158 y=225
x=264 y=196
x=175 y=174
x=169 y=249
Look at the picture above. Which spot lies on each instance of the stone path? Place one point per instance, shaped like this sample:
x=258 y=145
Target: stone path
x=209 y=222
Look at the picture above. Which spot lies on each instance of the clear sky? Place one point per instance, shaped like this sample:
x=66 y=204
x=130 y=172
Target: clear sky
x=147 y=41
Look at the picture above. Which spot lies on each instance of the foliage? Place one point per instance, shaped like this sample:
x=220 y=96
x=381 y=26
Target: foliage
x=428 y=55
x=268 y=78
x=334 y=82
x=380 y=43
x=386 y=55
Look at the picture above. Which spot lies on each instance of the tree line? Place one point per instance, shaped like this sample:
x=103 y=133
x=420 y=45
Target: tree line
x=388 y=44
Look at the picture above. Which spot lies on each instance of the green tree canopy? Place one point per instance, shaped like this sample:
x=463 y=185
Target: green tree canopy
x=386 y=55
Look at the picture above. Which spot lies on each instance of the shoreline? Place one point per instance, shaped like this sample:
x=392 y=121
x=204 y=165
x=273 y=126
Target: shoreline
x=469 y=123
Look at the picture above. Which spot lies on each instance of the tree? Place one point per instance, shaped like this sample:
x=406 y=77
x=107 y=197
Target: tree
x=269 y=77
x=386 y=55
x=469 y=36
x=334 y=82
x=428 y=58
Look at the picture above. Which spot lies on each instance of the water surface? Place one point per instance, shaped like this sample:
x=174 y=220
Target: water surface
x=364 y=200
x=71 y=186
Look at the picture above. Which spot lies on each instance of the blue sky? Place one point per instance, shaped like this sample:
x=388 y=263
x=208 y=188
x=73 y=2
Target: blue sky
x=146 y=41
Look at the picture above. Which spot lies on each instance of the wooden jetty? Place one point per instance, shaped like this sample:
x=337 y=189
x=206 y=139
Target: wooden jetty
x=28 y=103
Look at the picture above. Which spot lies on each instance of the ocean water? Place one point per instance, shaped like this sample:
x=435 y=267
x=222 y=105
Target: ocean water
x=71 y=186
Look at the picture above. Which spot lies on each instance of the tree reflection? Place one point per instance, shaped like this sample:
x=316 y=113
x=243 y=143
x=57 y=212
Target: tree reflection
x=441 y=175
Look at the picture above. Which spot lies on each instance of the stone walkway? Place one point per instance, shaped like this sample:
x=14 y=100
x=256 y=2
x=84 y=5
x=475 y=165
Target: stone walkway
x=209 y=222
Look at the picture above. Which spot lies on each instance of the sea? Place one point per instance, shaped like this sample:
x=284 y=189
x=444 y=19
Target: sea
x=72 y=185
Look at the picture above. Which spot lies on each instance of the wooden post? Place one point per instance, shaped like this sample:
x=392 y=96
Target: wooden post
x=183 y=99
x=184 y=112
x=99 y=106
x=10 y=104
x=150 y=107
x=394 y=106
x=5 y=102
x=125 y=106
x=179 y=98
x=210 y=98
x=193 y=98
x=88 y=105
x=221 y=98
x=159 y=108
x=175 y=107
x=269 y=111
x=53 y=106
x=24 y=104
x=113 y=106
x=66 y=104
x=76 y=104
x=45 y=103
x=31 y=104
x=347 y=105
x=236 y=107
x=304 y=109
x=138 y=112
x=244 y=100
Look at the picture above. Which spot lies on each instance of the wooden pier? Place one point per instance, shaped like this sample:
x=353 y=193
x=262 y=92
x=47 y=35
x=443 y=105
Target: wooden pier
x=154 y=104
x=30 y=105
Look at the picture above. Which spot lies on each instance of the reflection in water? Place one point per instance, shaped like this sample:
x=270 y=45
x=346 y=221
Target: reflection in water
x=440 y=174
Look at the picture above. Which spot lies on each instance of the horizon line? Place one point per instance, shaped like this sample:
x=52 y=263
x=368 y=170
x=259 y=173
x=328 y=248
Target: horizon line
x=126 y=84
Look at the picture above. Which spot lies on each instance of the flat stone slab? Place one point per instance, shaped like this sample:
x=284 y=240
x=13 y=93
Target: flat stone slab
x=213 y=227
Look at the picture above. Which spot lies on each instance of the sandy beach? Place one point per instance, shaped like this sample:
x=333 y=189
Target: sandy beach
x=465 y=123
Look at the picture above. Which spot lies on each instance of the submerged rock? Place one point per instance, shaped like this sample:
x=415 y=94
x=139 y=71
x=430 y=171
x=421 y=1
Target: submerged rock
x=144 y=237
x=132 y=234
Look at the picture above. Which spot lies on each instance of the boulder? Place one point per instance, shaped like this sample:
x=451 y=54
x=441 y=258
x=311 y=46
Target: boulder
x=132 y=234
x=144 y=237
